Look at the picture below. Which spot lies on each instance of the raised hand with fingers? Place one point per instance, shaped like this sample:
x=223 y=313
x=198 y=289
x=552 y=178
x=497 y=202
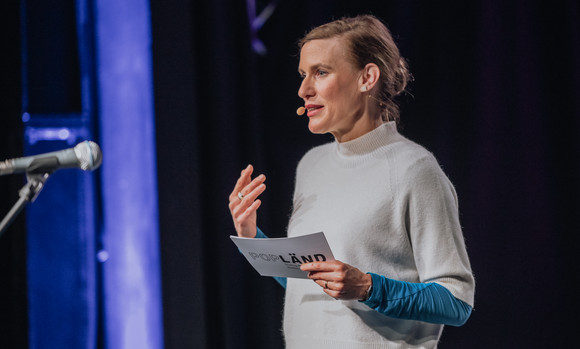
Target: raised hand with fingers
x=244 y=202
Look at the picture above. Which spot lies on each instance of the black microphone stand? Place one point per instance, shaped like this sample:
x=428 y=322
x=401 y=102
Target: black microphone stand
x=36 y=175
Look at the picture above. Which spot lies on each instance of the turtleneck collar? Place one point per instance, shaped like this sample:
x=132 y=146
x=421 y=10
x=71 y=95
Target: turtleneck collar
x=369 y=142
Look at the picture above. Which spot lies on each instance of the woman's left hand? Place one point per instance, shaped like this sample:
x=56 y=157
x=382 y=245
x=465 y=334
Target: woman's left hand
x=339 y=280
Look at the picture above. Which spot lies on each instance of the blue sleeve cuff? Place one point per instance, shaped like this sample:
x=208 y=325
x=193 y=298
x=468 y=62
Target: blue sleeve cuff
x=281 y=280
x=428 y=302
x=260 y=234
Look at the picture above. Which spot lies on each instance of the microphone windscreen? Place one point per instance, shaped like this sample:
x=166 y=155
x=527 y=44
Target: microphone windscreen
x=89 y=155
x=300 y=110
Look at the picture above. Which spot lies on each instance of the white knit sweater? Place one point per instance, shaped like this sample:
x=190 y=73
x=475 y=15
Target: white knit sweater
x=385 y=207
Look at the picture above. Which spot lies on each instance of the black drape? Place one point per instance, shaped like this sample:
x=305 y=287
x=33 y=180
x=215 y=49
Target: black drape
x=13 y=296
x=495 y=98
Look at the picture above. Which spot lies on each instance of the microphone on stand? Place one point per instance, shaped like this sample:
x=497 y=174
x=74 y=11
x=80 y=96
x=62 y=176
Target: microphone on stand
x=86 y=155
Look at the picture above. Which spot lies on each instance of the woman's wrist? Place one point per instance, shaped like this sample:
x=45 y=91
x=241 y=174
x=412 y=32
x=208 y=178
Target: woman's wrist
x=369 y=289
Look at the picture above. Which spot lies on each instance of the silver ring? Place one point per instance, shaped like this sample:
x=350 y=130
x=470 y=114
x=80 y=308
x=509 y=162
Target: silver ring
x=240 y=196
x=326 y=285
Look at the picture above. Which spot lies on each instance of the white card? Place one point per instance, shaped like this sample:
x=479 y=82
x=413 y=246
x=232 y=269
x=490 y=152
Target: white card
x=283 y=256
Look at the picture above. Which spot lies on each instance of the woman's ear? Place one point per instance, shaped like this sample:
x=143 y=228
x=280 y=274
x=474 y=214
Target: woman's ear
x=369 y=77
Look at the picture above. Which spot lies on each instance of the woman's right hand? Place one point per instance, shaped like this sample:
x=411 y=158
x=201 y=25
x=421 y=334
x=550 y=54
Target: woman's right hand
x=244 y=211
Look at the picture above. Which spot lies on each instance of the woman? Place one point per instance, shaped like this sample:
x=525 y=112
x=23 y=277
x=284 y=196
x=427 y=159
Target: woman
x=388 y=211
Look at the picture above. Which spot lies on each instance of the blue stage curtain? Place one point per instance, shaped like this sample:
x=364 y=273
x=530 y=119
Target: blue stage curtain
x=132 y=311
x=81 y=218
x=61 y=223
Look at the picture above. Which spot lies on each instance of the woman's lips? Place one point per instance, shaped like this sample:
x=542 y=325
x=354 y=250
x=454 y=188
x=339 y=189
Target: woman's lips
x=313 y=109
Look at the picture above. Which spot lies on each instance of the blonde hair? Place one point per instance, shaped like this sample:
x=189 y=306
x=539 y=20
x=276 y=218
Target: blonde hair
x=369 y=41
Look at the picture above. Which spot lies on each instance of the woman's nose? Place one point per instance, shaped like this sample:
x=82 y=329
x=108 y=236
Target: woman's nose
x=306 y=90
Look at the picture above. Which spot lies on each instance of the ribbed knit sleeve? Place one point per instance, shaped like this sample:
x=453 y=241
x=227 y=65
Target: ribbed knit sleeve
x=432 y=224
x=429 y=302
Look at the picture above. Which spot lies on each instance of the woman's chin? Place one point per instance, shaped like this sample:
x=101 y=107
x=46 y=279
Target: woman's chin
x=315 y=128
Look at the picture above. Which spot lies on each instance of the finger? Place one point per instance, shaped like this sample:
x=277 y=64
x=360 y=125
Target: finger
x=249 y=199
x=329 y=285
x=323 y=276
x=320 y=266
x=249 y=211
x=321 y=283
x=335 y=294
x=240 y=206
x=242 y=181
x=247 y=190
x=251 y=192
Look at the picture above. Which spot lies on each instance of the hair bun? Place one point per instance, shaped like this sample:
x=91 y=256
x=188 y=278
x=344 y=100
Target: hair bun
x=402 y=77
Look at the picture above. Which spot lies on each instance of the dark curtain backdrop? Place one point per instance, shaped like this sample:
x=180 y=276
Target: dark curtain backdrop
x=495 y=98
x=13 y=302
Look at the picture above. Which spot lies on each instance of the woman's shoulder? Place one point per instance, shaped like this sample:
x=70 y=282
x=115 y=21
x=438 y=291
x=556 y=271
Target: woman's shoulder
x=414 y=159
x=406 y=150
